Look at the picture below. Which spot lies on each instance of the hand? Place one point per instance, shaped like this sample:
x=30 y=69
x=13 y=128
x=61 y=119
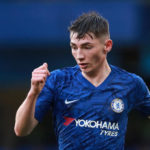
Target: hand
x=38 y=79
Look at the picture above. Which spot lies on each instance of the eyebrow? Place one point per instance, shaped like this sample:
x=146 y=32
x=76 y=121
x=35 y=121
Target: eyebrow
x=84 y=44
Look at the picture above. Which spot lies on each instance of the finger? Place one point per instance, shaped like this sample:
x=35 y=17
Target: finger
x=39 y=71
x=39 y=76
x=38 y=79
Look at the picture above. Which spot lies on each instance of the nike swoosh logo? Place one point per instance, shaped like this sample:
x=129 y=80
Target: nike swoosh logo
x=70 y=102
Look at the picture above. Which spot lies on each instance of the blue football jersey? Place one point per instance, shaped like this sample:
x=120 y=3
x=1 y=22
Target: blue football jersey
x=88 y=117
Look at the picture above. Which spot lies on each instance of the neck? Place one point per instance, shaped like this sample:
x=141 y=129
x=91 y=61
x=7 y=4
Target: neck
x=97 y=76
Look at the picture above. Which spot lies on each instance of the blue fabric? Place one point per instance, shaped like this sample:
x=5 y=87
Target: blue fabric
x=88 y=117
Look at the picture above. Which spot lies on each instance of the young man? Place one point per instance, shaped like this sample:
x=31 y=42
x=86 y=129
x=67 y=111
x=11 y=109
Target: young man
x=90 y=101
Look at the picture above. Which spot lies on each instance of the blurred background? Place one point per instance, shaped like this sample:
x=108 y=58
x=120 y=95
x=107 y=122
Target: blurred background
x=33 y=32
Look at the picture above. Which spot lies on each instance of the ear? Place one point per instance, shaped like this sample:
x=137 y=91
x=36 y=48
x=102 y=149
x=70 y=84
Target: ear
x=108 y=45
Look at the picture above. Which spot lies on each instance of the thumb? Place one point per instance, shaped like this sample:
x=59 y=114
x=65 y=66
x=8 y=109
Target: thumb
x=45 y=65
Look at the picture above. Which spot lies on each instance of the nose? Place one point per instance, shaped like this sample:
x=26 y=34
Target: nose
x=80 y=54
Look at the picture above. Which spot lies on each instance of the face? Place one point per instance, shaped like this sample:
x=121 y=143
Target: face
x=89 y=52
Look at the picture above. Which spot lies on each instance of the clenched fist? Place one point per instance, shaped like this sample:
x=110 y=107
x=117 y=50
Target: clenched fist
x=38 y=79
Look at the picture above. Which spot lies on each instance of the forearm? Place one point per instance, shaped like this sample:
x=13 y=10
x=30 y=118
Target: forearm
x=25 y=121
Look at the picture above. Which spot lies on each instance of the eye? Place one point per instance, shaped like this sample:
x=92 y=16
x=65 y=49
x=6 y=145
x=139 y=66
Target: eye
x=73 y=47
x=88 y=47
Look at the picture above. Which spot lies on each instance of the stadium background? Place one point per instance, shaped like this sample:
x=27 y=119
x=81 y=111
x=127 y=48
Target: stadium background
x=33 y=32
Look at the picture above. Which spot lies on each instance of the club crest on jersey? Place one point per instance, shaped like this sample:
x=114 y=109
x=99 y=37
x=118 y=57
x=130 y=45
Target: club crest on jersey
x=117 y=105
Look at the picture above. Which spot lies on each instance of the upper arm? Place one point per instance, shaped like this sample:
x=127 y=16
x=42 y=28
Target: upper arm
x=142 y=97
x=45 y=99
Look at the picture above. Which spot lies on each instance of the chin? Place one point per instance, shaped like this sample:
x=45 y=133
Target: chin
x=87 y=70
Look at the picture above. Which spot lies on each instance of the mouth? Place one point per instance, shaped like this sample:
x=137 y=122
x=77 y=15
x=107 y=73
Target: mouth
x=83 y=65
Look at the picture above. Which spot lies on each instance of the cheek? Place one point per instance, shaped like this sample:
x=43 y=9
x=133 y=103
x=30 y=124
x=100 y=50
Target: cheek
x=73 y=54
x=97 y=58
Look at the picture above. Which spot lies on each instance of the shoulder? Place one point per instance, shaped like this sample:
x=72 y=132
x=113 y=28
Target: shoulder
x=66 y=72
x=125 y=75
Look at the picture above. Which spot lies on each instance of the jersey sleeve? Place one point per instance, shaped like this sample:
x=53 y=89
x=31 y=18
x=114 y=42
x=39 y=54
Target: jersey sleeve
x=142 y=97
x=45 y=99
